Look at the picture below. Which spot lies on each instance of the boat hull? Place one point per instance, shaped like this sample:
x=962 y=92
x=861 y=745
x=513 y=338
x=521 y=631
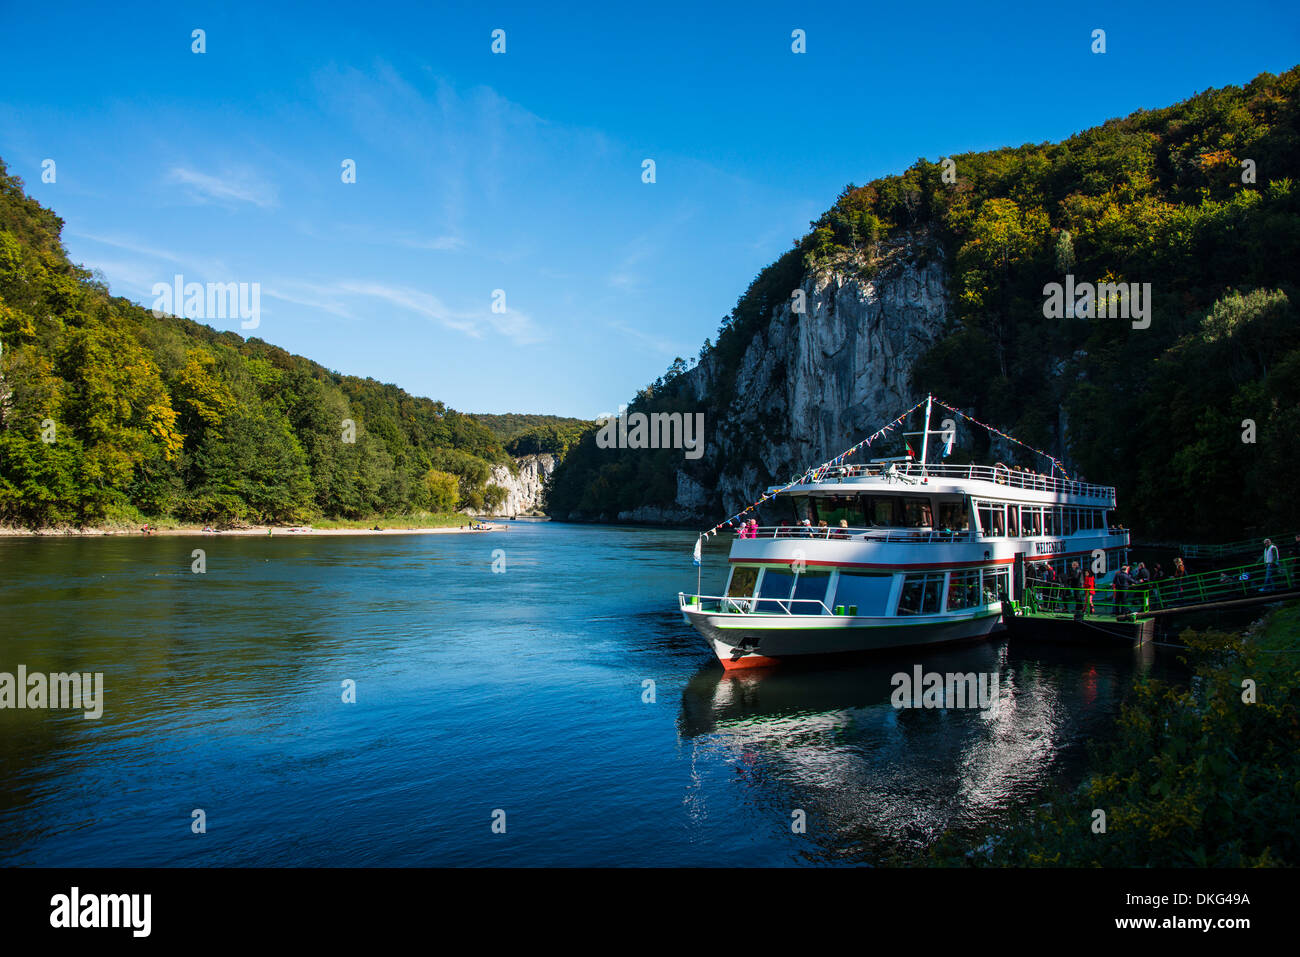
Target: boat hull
x=757 y=641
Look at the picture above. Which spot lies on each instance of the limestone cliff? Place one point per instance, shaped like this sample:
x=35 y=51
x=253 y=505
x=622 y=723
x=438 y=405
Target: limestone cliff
x=523 y=491
x=812 y=383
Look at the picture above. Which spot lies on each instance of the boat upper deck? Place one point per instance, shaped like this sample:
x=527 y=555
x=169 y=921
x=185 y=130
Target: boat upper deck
x=951 y=478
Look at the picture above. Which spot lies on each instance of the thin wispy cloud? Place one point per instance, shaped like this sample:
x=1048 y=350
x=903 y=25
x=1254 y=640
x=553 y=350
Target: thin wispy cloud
x=200 y=264
x=648 y=246
x=516 y=326
x=439 y=243
x=656 y=343
x=230 y=187
x=147 y=265
x=413 y=300
x=310 y=295
x=374 y=236
x=122 y=274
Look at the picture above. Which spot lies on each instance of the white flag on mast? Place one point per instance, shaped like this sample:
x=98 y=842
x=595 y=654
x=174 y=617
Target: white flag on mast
x=696 y=557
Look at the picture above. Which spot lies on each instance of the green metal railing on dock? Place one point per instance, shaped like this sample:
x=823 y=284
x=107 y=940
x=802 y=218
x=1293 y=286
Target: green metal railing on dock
x=1243 y=547
x=1147 y=598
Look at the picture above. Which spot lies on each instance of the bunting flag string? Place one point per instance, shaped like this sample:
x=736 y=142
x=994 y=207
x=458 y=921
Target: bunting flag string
x=988 y=428
x=815 y=473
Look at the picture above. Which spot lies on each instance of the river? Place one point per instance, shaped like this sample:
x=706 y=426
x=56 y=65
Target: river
x=553 y=711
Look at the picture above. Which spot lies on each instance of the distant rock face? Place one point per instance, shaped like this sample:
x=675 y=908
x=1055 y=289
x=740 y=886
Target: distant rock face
x=523 y=491
x=819 y=381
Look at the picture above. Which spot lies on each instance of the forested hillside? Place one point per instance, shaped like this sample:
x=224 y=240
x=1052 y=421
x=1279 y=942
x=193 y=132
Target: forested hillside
x=1193 y=417
x=525 y=434
x=108 y=413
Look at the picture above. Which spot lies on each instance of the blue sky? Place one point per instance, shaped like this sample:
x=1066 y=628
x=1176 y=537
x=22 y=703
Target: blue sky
x=522 y=171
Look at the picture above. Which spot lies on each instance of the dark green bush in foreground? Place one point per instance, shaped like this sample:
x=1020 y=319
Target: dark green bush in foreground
x=1196 y=777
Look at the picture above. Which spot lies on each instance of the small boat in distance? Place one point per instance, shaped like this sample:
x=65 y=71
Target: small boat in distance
x=897 y=553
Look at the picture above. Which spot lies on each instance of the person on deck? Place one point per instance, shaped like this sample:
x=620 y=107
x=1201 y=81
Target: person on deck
x=1180 y=572
x=1074 y=582
x=1271 y=557
x=1090 y=589
x=1123 y=589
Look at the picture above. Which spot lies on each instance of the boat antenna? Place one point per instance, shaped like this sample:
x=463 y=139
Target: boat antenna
x=925 y=438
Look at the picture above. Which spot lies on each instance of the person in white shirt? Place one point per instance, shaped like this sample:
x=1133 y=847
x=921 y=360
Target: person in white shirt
x=1270 y=563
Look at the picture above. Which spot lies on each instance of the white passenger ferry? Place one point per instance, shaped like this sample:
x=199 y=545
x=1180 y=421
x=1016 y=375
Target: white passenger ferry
x=896 y=554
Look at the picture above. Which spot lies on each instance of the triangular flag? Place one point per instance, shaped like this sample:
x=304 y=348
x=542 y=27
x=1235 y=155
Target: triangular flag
x=697 y=557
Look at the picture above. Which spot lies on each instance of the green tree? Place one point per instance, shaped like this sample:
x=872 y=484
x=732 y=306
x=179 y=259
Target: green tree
x=440 y=491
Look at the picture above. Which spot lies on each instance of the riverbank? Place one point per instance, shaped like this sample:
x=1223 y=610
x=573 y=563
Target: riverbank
x=1201 y=775
x=251 y=530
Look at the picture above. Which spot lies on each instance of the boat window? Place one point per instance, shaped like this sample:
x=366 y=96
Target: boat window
x=776 y=583
x=995 y=585
x=921 y=594
x=833 y=509
x=1051 y=521
x=1031 y=520
x=810 y=591
x=964 y=589
x=1012 y=524
x=916 y=512
x=802 y=509
x=991 y=518
x=880 y=510
x=953 y=516
x=743 y=578
x=867 y=592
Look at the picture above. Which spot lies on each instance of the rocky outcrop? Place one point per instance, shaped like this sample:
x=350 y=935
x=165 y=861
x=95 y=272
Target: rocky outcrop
x=524 y=491
x=814 y=382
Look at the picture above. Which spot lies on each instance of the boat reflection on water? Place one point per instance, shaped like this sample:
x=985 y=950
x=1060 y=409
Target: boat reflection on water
x=879 y=782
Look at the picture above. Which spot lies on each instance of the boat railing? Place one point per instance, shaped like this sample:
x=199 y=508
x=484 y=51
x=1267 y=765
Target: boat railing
x=911 y=473
x=909 y=536
x=1222 y=584
x=746 y=605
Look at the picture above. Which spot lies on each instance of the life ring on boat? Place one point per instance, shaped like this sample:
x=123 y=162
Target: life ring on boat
x=1001 y=480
